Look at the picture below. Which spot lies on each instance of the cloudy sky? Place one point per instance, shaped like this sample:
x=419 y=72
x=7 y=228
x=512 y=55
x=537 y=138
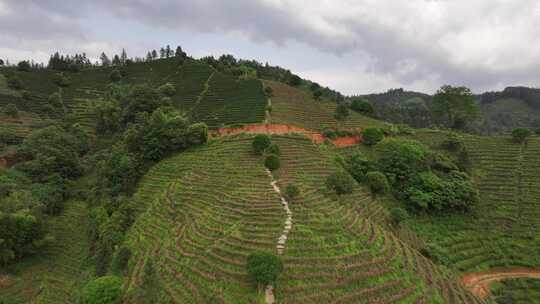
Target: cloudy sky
x=355 y=46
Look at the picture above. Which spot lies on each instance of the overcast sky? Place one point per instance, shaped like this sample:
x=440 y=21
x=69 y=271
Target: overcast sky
x=354 y=46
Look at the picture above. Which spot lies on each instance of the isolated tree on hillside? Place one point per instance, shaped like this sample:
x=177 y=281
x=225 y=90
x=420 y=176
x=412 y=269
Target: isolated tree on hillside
x=342 y=111
x=455 y=105
x=105 y=61
x=154 y=54
x=263 y=268
x=180 y=53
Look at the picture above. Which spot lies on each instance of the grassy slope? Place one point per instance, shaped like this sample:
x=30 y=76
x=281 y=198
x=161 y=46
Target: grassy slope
x=208 y=208
x=52 y=276
x=297 y=107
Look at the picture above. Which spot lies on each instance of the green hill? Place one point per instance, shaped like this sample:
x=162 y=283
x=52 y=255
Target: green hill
x=189 y=218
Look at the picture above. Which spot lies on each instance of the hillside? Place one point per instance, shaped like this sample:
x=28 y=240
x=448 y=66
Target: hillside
x=178 y=226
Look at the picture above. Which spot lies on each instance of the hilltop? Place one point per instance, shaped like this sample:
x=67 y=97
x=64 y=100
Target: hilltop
x=143 y=177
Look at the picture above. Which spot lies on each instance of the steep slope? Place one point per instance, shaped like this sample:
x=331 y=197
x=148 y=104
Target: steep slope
x=293 y=106
x=208 y=208
x=53 y=275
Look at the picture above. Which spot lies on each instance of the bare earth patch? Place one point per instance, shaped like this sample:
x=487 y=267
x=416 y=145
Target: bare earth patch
x=5 y=281
x=478 y=283
x=277 y=129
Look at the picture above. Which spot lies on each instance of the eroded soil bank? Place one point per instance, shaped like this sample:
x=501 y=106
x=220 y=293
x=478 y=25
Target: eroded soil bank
x=478 y=283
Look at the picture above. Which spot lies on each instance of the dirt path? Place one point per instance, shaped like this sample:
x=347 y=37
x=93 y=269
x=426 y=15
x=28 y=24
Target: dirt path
x=269 y=292
x=478 y=282
x=278 y=129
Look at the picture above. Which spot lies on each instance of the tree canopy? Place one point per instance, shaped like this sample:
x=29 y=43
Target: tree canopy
x=455 y=106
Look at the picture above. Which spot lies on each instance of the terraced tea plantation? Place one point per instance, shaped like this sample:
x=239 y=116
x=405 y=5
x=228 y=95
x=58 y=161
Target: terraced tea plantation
x=297 y=107
x=205 y=210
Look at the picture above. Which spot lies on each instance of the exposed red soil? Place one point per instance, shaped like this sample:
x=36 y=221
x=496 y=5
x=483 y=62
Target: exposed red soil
x=7 y=160
x=478 y=282
x=277 y=129
x=5 y=281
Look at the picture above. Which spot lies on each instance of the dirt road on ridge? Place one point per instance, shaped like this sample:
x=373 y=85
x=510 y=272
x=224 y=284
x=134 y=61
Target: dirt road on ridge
x=478 y=282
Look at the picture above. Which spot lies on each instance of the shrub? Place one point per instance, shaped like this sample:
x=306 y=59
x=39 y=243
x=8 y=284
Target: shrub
x=11 y=110
x=362 y=106
x=115 y=75
x=272 y=162
x=520 y=135
x=340 y=182
x=453 y=143
x=61 y=80
x=358 y=166
x=398 y=215
x=342 y=111
x=292 y=191
x=372 y=136
x=260 y=143
x=26 y=95
x=401 y=159
x=14 y=82
x=104 y=290
x=263 y=268
x=317 y=94
x=167 y=89
x=295 y=80
x=329 y=133
x=268 y=92
x=273 y=149
x=377 y=182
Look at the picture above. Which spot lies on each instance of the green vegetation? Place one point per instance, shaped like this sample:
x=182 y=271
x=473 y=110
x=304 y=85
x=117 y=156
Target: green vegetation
x=372 y=136
x=11 y=110
x=342 y=111
x=292 y=191
x=520 y=134
x=455 y=106
x=272 y=162
x=377 y=182
x=263 y=268
x=104 y=290
x=362 y=106
x=340 y=182
x=260 y=143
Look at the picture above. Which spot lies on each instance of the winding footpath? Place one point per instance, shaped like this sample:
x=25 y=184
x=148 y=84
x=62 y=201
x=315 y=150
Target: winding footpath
x=478 y=283
x=269 y=292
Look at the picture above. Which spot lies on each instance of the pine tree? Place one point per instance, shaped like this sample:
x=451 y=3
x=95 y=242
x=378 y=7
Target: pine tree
x=179 y=52
x=116 y=60
x=168 y=51
x=149 y=56
x=154 y=54
x=105 y=61
x=123 y=57
x=162 y=53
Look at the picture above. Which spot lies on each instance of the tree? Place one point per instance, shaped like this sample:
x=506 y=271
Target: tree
x=61 y=80
x=116 y=60
x=362 y=106
x=317 y=94
x=377 y=182
x=402 y=159
x=104 y=290
x=358 y=166
x=272 y=162
x=340 y=182
x=24 y=66
x=162 y=53
x=273 y=149
x=263 y=268
x=168 y=51
x=11 y=110
x=121 y=259
x=115 y=75
x=372 y=136
x=295 y=80
x=268 y=92
x=149 y=57
x=292 y=191
x=520 y=135
x=154 y=54
x=260 y=143
x=123 y=57
x=456 y=106
x=1 y=62
x=105 y=61
x=180 y=53
x=342 y=111
x=108 y=116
